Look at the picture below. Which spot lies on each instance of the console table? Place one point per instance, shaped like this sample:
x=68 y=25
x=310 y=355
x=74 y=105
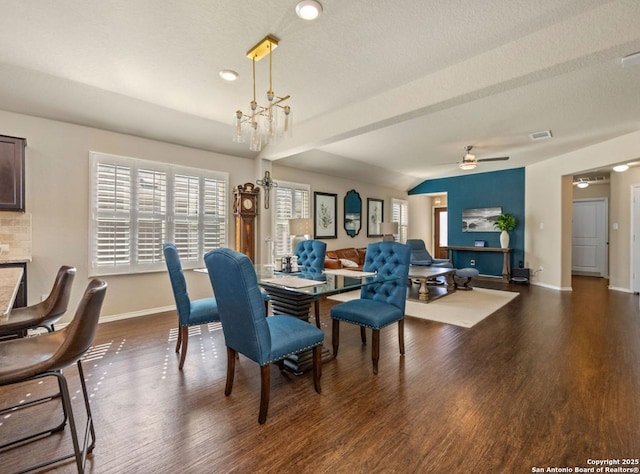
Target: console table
x=506 y=256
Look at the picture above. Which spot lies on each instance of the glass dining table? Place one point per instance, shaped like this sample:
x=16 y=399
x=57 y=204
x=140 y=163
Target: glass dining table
x=294 y=293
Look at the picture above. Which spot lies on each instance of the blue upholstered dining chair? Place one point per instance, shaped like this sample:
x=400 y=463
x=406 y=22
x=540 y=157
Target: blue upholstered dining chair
x=190 y=313
x=421 y=256
x=311 y=254
x=246 y=328
x=380 y=304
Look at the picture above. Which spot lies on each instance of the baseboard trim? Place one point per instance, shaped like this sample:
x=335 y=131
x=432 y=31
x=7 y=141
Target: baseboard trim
x=552 y=287
x=133 y=314
x=617 y=288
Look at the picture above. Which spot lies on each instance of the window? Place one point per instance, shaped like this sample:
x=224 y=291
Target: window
x=400 y=214
x=292 y=201
x=138 y=205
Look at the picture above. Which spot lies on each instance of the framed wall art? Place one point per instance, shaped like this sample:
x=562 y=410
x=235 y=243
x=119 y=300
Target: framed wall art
x=480 y=219
x=325 y=213
x=375 y=211
x=352 y=213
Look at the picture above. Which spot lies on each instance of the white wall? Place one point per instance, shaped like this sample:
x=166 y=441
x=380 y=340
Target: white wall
x=57 y=196
x=420 y=221
x=548 y=211
x=340 y=186
x=620 y=238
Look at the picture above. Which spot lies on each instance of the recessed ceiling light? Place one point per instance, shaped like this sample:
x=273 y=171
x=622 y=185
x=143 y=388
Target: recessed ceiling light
x=308 y=9
x=620 y=168
x=228 y=75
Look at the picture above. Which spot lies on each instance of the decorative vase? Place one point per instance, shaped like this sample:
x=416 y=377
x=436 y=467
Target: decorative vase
x=504 y=239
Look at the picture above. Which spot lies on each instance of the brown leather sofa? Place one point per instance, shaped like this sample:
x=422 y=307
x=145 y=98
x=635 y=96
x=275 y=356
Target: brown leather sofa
x=334 y=258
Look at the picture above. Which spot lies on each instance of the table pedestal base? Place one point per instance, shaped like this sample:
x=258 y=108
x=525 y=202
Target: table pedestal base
x=291 y=303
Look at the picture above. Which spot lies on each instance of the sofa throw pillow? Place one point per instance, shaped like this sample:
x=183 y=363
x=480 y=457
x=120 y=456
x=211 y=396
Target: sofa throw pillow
x=348 y=263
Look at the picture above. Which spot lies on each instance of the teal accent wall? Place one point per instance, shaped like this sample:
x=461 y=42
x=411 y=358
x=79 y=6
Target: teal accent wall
x=503 y=189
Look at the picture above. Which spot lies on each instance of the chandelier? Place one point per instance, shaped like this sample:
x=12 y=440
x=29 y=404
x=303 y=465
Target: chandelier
x=263 y=124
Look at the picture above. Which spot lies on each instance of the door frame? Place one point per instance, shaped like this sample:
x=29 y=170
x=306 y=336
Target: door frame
x=437 y=250
x=634 y=283
x=605 y=224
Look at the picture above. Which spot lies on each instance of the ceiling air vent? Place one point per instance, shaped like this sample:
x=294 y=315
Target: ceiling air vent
x=544 y=135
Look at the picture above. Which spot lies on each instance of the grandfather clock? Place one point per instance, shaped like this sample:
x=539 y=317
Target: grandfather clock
x=245 y=208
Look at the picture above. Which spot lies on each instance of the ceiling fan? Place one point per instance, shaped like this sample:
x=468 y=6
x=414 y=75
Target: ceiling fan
x=470 y=161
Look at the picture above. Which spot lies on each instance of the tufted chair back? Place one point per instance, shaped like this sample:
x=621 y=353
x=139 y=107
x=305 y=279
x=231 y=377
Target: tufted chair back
x=311 y=254
x=387 y=259
x=240 y=303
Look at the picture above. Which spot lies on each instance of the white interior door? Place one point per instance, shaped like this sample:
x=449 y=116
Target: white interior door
x=589 y=251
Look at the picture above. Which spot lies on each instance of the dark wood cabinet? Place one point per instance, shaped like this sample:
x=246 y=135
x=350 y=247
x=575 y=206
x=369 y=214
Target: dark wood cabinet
x=12 y=173
x=21 y=296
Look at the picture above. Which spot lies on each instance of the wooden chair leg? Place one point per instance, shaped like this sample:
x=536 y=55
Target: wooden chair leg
x=265 y=387
x=401 y=335
x=375 y=349
x=363 y=335
x=179 y=342
x=317 y=367
x=335 y=337
x=316 y=312
x=231 y=369
x=184 y=336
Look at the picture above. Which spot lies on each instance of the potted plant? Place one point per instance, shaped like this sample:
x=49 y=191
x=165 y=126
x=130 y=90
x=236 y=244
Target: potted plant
x=505 y=223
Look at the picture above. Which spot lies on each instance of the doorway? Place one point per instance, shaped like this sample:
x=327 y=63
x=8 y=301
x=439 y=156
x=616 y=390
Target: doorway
x=440 y=232
x=589 y=246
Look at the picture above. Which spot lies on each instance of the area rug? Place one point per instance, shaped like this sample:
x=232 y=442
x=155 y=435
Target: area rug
x=462 y=308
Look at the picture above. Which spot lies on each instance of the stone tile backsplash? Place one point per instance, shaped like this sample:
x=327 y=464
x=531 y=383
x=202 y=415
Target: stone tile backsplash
x=15 y=231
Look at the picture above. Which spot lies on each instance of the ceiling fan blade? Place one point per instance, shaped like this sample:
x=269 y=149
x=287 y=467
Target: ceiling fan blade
x=445 y=164
x=499 y=158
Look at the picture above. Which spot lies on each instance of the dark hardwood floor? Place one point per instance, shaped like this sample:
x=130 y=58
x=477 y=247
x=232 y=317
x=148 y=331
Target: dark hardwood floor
x=550 y=380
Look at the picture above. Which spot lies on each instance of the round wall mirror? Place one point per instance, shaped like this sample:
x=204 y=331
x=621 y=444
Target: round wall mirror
x=352 y=213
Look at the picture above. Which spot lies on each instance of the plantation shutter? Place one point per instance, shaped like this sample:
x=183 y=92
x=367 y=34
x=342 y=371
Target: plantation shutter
x=214 y=214
x=152 y=215
x=112 y=211
x=399 y=214
x=185 y=208
x=292 y=201
x=138 y=205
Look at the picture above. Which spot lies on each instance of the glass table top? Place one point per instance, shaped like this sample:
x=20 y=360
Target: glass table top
x=317 y=284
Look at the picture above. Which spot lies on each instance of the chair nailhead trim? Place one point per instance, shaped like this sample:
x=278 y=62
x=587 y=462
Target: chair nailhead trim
x=293 y=353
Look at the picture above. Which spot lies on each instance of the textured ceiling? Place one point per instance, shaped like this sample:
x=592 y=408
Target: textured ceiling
x=386 y=91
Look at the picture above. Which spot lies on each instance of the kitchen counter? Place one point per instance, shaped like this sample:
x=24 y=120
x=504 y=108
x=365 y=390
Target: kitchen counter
x=17 y=259
x=9 y=283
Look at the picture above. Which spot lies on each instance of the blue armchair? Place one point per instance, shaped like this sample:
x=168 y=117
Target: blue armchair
x=421 y=256
x=190 y=313
x=246 y=328
x=380 y=304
